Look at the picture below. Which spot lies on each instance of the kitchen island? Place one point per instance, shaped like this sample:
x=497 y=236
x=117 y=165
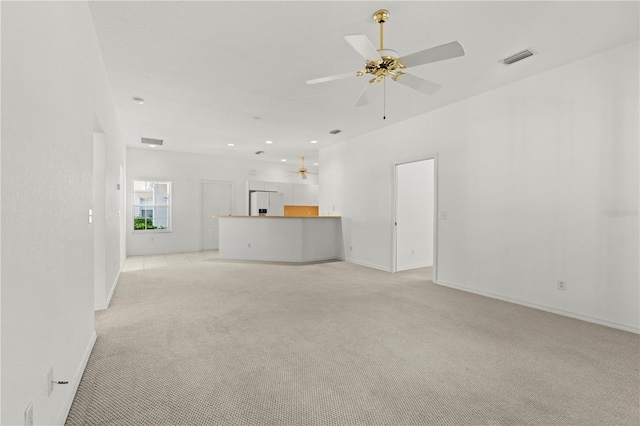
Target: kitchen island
x=280 y=238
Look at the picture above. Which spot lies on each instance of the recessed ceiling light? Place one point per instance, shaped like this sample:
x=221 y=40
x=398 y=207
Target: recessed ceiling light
x=152 y=146
x=315 y=164
x=139 y=101
x=314 y=141
x=284 y=159
x=268 y=141
x=231 y=144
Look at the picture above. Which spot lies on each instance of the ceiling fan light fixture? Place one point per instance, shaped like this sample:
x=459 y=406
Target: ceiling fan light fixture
x=517 y=57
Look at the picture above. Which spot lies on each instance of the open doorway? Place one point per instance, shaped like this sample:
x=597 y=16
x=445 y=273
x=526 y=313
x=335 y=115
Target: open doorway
x=415 y=207
x=99 y=221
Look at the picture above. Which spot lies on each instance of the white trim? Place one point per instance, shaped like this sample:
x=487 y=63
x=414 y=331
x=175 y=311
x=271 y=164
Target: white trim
x=106 y=304
x=131 y=206
x=394 y=212
x=368 y=265
x=289 y=260
x=62 y=418
x=587 y=318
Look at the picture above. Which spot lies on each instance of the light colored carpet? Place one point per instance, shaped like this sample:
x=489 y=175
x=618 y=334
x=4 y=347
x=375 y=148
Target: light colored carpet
x=229 y=343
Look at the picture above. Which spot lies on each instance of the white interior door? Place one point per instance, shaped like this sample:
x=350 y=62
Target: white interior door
x=216 y=201
x=414 y=214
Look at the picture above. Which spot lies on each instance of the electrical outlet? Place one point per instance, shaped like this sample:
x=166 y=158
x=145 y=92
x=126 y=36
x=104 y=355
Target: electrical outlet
x=413 y=252
x=350 y=247
x=249 y=245
x=562 y=285
x=28 y=415
x=49 y=382
x=442 y=216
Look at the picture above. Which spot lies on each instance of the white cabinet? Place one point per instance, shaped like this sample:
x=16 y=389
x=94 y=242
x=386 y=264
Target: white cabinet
x=294 y=194
x=287 y=190
x=271 y=186
x=256 y=185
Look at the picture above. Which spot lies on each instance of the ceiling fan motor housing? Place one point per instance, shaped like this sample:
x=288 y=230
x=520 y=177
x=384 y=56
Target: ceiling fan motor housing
x=390 y=65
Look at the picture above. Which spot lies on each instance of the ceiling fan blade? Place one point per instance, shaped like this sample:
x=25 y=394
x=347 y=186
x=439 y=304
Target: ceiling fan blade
x=363 y=99
x=333 y=77
x=418 y=83
x=433 y=54
x=363 y=46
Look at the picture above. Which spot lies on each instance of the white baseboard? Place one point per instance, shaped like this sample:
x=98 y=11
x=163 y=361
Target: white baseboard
x=62 y=418
x=284 y=259
x=106 y=304
x=416 y=266
x=368 y=265
x=582 y=317
x=113 y=289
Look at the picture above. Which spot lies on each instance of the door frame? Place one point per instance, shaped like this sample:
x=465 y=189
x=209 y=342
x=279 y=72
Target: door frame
x=394 y=213
x=233 y=203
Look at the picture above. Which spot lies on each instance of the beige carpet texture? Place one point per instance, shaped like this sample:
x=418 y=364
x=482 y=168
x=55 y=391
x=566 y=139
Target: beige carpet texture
x=241 y=343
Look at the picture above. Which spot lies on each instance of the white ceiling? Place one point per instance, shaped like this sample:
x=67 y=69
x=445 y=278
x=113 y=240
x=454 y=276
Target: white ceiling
x=207 y=69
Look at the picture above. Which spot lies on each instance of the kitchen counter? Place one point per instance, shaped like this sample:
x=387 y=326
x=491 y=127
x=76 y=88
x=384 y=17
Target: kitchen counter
x=280 y=238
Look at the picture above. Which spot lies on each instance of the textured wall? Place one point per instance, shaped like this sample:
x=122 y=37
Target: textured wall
x=527 y=174
x=52 y=88
x=186 y=171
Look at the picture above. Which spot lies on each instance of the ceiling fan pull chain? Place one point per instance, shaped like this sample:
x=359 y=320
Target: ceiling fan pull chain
x=384 y=99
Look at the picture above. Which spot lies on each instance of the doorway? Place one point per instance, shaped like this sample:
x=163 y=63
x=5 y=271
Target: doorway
x=217 y=200
x=98 y=220
x=415 y=207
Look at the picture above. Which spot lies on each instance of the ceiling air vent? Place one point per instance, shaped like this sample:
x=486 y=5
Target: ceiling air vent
x=150 y=141
x=259 y=152
x=335 y=132
x=517 y=57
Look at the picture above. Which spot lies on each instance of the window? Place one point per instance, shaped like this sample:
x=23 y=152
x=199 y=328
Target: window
x=151 y=205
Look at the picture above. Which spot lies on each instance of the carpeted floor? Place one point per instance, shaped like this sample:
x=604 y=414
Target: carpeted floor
x=231 y=343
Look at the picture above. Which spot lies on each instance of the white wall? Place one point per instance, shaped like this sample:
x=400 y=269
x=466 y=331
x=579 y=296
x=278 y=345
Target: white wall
x=53 y=85
x=186 y=171
x=526 y=173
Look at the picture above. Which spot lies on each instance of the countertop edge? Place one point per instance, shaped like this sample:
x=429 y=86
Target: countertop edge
x=280 y=217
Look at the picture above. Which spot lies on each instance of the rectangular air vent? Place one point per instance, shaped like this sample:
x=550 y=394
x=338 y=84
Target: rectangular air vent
x=259 y=152
x=335 y=132
x=150 y=141
x=517 y=57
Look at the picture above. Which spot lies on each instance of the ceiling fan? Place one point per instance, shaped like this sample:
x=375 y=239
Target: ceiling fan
x=302 y=171
x=382 y=63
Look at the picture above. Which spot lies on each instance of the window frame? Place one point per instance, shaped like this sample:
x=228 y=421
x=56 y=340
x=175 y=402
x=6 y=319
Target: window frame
x=135 y=204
